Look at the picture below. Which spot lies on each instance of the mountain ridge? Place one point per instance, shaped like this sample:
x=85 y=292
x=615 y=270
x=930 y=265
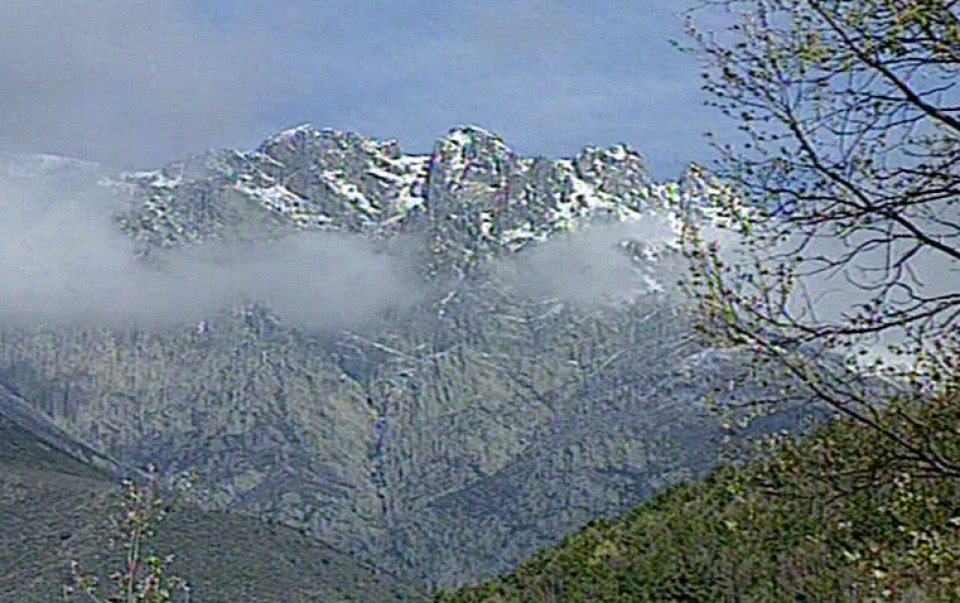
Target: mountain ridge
x=497 y=395
x=56 y=508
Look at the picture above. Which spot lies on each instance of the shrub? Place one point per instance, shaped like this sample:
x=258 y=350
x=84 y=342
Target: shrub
x=142 y=576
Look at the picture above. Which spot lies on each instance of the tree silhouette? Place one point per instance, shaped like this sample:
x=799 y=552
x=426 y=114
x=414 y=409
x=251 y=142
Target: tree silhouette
x=845 y=198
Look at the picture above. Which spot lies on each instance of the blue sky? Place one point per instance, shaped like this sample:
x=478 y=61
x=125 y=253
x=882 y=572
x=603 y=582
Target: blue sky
x=139 y=82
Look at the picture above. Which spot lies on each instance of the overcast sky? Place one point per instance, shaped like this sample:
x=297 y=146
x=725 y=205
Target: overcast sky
x=136 y=83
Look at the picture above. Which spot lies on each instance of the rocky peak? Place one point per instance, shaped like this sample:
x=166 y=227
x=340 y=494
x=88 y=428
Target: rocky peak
x=474 y=196
x=470 y=160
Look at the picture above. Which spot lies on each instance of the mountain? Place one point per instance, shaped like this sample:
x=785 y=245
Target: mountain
x=842 y=516
x=444 y=440
x=54 y=507
x=17 y=412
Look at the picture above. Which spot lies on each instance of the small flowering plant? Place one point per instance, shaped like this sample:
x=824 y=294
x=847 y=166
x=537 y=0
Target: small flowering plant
x=142 y=576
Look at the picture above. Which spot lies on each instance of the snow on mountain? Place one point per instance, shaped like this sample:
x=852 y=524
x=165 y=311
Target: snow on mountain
x=473 y=196
x=316 y=178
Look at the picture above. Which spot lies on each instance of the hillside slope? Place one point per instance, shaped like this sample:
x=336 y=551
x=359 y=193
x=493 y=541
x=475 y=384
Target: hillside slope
x=843 y=516
x=54 y=508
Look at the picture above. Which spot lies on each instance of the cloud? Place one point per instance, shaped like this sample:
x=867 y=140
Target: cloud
x=127 y=82
x=63 y=262
x=589 y=267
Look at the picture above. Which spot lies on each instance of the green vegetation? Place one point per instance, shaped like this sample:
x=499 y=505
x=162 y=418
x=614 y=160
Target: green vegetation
x=472 y=404
x=840 y=516
x=141 y=575
x=54 y=510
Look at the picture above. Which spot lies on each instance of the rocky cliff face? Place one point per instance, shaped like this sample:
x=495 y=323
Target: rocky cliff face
x=448 y=440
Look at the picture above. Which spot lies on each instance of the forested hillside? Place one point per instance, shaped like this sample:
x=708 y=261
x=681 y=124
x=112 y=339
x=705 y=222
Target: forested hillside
x=841 y=516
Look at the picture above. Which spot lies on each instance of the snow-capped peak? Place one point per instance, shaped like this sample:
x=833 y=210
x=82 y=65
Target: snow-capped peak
x=302 y=129
x=473 y=190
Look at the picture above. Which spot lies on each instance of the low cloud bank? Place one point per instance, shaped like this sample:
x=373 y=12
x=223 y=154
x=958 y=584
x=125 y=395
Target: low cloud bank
x=589 y=267
x=62 y=261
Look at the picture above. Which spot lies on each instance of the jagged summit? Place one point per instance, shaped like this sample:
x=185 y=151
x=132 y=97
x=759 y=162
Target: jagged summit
x=472 y=189
x=304 y=129
x=472 y=140
x=308 y=136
